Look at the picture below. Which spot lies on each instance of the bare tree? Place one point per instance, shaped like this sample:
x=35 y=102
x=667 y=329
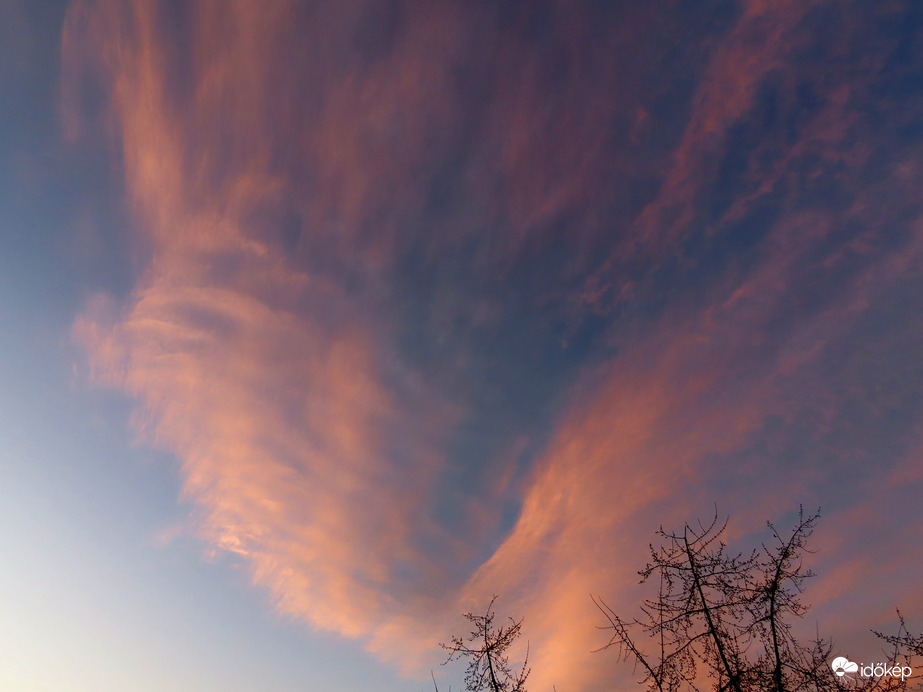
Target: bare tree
x=485 y=648
x=724 y=619
x=903 y=641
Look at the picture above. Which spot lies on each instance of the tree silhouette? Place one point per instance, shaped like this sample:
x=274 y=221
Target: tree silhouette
x=724 y=619
x=903 y=640
x=485 y=648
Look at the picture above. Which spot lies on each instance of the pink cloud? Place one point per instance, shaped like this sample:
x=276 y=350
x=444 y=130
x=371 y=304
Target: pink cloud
x=269 y=359
x=265 y=380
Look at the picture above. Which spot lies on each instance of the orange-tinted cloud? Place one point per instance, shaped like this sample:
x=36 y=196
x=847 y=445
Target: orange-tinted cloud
x=325 y=197
x=681 y=420
x=264 y=379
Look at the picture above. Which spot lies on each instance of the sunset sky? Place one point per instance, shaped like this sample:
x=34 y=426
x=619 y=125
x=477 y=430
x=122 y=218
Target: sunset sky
x=322 y=322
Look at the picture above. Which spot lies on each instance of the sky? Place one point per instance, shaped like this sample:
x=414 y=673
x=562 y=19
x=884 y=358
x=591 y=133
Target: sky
x=322 y=323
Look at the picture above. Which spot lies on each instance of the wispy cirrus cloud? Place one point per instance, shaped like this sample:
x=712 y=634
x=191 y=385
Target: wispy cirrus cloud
x=439 y=302
x=266 y=379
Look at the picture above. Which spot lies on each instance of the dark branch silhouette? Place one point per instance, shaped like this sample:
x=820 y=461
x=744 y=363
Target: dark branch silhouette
x=485 y=648
x=724 y=620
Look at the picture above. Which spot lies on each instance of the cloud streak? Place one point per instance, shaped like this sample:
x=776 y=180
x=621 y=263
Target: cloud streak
x=436 y=303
